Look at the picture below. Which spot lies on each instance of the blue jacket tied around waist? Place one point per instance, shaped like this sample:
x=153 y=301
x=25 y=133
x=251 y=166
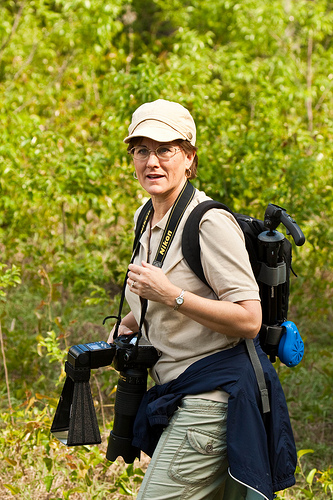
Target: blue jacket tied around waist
x=261 y=448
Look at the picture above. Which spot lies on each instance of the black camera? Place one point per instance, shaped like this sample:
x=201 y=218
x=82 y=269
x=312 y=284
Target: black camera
x=75 y=421
x=132 y=359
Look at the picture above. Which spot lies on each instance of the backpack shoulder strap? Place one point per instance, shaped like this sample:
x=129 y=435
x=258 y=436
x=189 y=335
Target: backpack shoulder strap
x=190 y=239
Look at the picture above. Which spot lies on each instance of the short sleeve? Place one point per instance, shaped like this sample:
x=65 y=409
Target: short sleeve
x=224 y=257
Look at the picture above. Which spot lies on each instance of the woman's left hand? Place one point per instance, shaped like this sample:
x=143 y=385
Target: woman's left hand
x=151 y=283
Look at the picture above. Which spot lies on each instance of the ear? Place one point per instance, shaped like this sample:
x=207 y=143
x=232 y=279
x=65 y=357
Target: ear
x=189 y=159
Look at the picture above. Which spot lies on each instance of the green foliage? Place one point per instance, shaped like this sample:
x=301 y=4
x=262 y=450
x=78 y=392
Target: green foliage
x=258 y=78
x=255 y=76
x=8 y=277
x=38 y=466
x=316 y=483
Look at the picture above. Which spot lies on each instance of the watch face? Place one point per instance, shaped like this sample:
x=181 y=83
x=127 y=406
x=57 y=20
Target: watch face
x=179 y=300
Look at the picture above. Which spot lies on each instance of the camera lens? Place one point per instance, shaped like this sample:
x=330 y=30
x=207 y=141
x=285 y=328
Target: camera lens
x=131 y=387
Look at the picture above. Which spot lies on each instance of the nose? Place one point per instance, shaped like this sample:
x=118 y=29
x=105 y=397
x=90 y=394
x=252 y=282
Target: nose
x=152 y=159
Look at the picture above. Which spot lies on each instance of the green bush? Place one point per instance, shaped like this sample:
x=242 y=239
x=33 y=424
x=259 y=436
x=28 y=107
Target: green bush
x=258 y=79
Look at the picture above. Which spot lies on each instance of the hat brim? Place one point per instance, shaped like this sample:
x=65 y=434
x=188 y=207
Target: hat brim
x=156 y=130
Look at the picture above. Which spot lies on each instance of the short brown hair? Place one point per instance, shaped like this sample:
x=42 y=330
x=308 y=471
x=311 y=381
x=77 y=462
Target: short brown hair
x=188 y=148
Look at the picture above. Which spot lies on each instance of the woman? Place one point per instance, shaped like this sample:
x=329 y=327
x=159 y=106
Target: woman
x=189 y=323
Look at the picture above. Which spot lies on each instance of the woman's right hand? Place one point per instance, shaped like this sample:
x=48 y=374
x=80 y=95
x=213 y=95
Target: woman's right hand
x=122 y=330
x=127 y=326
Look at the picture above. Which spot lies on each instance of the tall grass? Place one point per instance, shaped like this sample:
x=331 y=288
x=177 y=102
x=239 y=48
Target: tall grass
x=37 y=329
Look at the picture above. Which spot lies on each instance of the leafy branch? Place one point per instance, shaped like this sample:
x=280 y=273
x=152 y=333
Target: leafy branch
x=14 y=27
x=10 y=277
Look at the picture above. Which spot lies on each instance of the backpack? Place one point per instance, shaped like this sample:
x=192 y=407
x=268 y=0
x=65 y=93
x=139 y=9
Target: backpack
x=270 y=255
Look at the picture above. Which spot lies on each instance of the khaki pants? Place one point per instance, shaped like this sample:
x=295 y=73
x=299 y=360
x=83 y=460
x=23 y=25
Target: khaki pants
x=190 y=460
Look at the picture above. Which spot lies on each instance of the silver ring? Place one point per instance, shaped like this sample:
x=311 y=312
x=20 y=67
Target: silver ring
x=132 y=284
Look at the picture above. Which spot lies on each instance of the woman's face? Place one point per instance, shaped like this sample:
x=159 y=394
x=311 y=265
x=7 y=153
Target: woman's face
x=162 y=178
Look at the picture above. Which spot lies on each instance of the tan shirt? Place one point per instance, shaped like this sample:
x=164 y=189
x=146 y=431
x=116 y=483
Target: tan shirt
x=226 y=265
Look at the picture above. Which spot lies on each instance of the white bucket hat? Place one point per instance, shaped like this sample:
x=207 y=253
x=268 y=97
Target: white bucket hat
x=162 y=121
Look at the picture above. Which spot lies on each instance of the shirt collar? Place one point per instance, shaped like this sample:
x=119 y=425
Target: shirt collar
x=162 y=223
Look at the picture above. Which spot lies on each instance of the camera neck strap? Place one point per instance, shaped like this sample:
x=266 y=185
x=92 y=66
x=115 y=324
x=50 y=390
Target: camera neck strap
x=176 y=213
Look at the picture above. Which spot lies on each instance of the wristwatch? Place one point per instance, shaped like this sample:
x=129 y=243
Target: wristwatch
x=179 y=300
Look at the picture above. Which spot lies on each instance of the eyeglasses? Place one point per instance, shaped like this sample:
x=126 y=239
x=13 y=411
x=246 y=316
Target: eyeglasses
x=162 y=152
